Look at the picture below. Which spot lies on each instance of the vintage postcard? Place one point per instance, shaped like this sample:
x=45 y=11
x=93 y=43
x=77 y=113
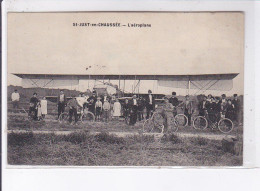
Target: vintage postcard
x=125 y=89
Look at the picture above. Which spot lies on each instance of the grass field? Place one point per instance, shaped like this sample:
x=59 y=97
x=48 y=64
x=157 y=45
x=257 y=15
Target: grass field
x=82 y=147
x=19 y=123
x=104 y=149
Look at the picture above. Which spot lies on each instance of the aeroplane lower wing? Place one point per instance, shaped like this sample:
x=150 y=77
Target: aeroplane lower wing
x=200 y=82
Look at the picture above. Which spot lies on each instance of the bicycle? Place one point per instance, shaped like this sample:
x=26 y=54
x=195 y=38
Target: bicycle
x=32 y=116
x=224 y=125
x=83 y=115
x=158 y=120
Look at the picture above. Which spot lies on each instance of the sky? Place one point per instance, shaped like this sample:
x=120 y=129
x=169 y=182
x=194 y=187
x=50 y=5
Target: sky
x=175 y=44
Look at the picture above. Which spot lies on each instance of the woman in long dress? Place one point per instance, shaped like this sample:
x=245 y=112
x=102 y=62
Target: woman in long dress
x=44 y=107
x=112 y=101
x=117 y=109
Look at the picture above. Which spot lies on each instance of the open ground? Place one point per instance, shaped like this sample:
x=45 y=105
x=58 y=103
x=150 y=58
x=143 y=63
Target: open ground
x=114 y=144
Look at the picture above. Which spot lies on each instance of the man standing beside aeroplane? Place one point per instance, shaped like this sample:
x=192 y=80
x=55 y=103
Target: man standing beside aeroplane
x=61 y=103
x=150 y=104
x=175 y=102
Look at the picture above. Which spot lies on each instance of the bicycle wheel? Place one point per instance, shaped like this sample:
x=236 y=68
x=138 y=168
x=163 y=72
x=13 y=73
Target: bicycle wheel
x=158 y=120
x=173 y=126
x=225 y=125
x=182 y=120
x=148 y=126
x=200 y=123
x=63 y=118
x=87 y=117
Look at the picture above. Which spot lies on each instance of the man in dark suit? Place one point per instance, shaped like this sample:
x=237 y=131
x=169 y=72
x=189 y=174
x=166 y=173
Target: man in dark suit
x=33 y=106
x=133 y=110
x=92 y=102
x=150 y=104
x=202 y=106
x=140 y=108
x=188 y=108
x=236 y=105
x=175 y=102
x=61 y=103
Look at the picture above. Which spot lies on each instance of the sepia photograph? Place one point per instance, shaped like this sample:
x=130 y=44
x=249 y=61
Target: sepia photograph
x=125 y=89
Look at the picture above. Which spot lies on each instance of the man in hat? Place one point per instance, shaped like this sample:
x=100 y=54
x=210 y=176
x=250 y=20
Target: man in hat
x=202 y=106
x=167 y=114
x=175 y=102
x=92 y=102
x=61 y=103
x=217 y=109
x=133 y=110
x=140 y=108
x=150 y=104
x=236 y=105
x=188 y=108
x=33 y=106
x=73 y=106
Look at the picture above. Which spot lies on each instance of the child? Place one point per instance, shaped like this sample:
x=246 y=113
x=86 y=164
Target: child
x=106 y=109
x=98 y=108
x=44 y=107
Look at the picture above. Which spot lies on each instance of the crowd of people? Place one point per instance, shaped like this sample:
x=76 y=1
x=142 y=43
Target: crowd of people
x=38 y=108
x=215 y=107
x=106 y=107
x=103 y=107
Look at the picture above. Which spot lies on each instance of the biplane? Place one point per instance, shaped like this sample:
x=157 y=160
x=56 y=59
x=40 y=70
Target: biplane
x=201 y=82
